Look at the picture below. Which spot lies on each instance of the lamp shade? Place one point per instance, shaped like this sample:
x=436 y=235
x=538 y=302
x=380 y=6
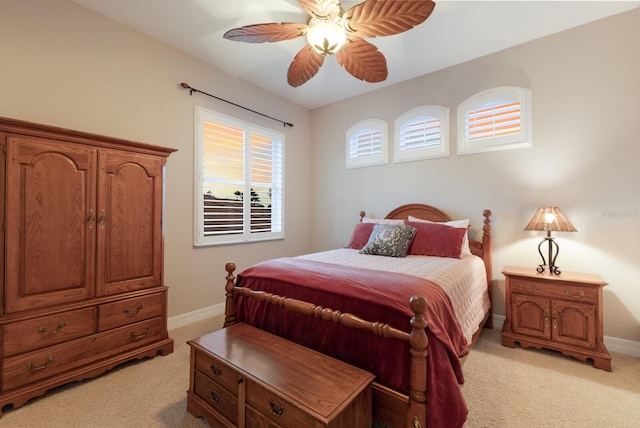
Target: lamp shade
x=550 y=219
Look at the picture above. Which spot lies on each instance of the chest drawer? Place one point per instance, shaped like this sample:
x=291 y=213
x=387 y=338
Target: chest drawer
x=48 y=330
x=269 y=405
x=123 y=312
x=218 y=397
x=557 y=289
x=217 y=370
x=36 y=365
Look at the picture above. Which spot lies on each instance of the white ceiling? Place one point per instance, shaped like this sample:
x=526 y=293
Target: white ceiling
x=457 y=31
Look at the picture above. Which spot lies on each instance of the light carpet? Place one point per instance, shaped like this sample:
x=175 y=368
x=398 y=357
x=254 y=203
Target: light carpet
x=504 y=388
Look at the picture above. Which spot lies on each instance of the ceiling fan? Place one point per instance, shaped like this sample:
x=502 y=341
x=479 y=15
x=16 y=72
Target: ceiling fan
x=331 y=30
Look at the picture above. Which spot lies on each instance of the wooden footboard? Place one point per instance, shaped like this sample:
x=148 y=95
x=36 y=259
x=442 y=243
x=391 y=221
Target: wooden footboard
x=390 y=406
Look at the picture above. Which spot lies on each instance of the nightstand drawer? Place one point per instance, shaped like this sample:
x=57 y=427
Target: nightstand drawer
x=556 y=289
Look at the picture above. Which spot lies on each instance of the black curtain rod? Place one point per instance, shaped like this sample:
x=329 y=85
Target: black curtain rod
x=192 y=90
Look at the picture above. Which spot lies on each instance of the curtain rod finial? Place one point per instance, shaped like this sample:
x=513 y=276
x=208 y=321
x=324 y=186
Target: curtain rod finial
x=185 y=85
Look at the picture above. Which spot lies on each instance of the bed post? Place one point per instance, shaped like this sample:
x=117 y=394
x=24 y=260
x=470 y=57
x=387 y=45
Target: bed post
x=417 y=411
x=230 y=303
x=488 y=263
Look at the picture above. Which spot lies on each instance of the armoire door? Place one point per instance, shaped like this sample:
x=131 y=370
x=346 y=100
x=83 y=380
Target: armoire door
x=50 y=223
x=129 y=222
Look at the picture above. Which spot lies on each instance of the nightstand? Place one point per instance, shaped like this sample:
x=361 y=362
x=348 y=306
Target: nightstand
x=558 y=312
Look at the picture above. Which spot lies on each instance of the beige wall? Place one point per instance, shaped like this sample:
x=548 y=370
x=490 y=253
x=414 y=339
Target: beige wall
x=584 y=159
x=65 y=66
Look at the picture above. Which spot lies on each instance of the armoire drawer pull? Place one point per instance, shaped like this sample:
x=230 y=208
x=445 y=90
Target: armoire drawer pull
x=43 y=330
x=136 y=337
x=32 y=367
x=128 y=312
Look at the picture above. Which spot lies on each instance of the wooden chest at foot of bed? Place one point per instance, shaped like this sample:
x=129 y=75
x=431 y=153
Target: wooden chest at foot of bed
x=242 y=376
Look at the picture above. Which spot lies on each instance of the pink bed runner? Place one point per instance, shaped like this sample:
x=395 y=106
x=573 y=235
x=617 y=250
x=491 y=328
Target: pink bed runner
x=374 y=296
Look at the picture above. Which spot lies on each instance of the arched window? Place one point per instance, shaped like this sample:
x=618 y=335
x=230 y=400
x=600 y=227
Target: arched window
x=496 y=119
x=367 y=143
x=422 y=133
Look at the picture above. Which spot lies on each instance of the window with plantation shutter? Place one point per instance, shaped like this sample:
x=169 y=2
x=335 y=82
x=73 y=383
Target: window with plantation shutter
x=239 y=182
x=367 y=144
x=422 y=133
x=497 y=119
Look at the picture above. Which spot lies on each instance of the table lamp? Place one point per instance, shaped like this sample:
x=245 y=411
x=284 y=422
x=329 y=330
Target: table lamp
x=548 y=219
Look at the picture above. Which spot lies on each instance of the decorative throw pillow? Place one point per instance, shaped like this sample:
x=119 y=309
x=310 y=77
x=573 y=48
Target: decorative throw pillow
x=391 y=240
x=453 y=223
x=434 y=239
x=360 y=235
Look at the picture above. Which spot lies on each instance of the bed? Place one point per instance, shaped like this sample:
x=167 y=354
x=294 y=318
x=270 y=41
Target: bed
x=388 y=315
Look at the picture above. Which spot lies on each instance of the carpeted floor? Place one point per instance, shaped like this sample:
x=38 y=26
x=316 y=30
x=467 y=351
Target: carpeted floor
x=504 y=388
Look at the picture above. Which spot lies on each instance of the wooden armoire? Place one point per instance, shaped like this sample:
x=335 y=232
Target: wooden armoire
x=81 y=260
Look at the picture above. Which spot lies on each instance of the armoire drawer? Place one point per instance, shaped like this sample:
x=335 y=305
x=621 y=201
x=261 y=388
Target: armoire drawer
x=123 y=312
x=36 y=333
x=43 y=363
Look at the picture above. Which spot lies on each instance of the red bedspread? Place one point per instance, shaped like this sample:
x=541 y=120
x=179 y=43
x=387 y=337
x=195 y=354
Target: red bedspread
x=374 y=296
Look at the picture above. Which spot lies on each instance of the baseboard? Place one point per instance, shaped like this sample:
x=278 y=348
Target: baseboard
x=613 y=344
x=194 y=316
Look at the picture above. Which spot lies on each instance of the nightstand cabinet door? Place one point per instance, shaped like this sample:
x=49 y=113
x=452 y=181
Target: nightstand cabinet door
x=574 y=323
x=531 y=315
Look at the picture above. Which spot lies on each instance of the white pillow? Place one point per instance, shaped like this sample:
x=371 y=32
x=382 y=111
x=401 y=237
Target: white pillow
x=382 y=220
x=453 y=223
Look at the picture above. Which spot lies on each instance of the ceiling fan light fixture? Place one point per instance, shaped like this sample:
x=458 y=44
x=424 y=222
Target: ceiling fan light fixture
x=326 y=37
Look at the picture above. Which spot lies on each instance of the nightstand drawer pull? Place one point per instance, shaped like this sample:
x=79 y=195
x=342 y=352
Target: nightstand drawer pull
x=214 y=395
x=532 y=288
x=276 y=408
x=570 y=294
x=216 y=370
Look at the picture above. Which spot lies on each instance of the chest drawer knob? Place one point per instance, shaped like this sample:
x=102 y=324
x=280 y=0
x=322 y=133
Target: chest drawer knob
x=570 y=294
x=132 y=314
x=43 y=330
x=33 y=368
x=214 y=395
x=216 y=370
x=276 y=408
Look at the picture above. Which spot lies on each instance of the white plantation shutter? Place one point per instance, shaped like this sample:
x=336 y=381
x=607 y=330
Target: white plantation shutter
x=493 y=120
x=422 y=133
x=239 y=183
x=497 y=119
x=367 y=144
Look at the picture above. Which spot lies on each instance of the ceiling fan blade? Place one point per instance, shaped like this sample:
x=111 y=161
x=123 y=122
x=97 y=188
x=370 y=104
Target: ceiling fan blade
x=304 y=66
x=273 y=32
x=363 y=60
x=321 y=8
x=374 y=18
